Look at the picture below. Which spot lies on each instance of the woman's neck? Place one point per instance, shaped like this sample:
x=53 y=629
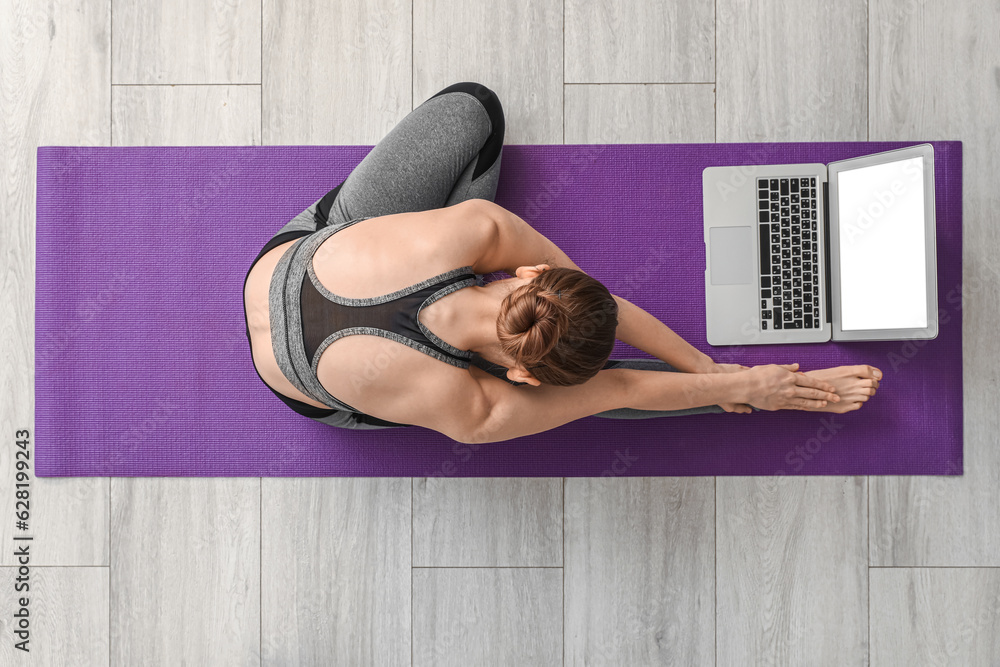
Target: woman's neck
x=467 y=319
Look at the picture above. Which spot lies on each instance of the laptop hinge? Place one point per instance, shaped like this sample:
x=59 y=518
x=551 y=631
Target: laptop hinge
x=826 y=249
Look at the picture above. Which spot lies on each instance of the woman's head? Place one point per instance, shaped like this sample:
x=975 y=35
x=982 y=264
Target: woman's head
x=559 y=326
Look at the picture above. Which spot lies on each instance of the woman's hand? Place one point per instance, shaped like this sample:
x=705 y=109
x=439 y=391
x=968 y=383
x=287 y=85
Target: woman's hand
x=779 y=387
x=729 y=368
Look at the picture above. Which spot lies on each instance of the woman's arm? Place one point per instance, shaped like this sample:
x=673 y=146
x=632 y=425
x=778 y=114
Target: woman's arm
x=519 y=244
x=475 y=407
x=515 y=411
x=641 y=330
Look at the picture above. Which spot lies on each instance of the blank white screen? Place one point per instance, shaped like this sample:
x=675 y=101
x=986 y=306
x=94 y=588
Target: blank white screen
x=883 y=281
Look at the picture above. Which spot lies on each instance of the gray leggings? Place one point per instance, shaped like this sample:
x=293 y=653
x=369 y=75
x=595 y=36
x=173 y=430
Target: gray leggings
x=445 y=151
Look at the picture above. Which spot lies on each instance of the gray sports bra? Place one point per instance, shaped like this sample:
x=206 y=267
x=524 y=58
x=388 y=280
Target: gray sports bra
x=306 y=318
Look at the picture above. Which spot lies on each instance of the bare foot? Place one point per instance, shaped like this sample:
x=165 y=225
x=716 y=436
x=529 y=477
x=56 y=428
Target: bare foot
x=854 y=384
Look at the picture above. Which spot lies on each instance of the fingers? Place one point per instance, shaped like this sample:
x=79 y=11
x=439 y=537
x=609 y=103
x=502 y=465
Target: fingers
x=803 y=380
x=806 y=403
x=819 y=394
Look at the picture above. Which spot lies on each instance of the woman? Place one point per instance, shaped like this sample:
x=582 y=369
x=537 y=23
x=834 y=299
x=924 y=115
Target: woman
x=349 y=329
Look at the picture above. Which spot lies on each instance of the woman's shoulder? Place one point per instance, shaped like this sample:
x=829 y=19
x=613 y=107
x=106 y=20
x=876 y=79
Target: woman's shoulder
x=458 y=235
x=397 y=383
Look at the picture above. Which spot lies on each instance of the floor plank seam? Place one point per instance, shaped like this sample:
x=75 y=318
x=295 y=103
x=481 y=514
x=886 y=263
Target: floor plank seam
x=934 y=567
x=173 y=85
x=487 y=567
x=638 y=83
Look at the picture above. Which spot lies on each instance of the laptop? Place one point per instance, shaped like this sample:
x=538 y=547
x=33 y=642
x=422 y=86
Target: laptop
x=807 y=253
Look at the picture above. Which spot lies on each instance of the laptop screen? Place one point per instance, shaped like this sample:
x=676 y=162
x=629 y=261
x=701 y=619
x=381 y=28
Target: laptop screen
x=882 y=254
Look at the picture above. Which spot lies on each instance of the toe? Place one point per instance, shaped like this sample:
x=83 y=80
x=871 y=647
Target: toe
x=867 y=372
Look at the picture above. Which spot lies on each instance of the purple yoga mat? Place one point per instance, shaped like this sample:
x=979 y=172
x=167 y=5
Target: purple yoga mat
x=143 y=367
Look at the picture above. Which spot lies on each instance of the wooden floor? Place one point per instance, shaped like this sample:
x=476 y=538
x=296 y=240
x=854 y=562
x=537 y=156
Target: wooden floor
x=628 y=571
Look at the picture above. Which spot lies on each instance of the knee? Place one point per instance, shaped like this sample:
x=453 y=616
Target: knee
x=491 y=103
x=488 y=99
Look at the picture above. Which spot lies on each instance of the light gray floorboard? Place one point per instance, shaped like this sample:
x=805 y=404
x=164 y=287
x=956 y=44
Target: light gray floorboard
x=514 y=48
x=186 y=41
x=935 y=75
x=336 y=552
x=67 y=615
x=792 y=552
x=640 y=580
x=185 y=571
x=336 y=571
x=482 y=522
x=792 y=71
x=488 y=616
x=164 y=115
x=54 y=89
x=935 y=616
x=633 y=41
x=625 y=114
x=792 y=571
x=335 y=72
x=785 y=544
x=185 y=552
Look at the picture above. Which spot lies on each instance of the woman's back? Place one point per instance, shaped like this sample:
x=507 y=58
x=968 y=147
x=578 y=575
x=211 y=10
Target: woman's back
x=368 y=259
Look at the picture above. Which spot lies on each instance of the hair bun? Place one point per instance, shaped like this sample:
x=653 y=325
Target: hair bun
x=560 y=326
x=533 y=323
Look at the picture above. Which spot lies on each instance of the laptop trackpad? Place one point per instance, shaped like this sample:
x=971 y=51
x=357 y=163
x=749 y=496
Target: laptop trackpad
x=732 y=255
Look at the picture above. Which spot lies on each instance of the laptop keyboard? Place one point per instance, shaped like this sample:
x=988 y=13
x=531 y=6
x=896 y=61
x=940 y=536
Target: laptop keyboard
x=789 y=254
